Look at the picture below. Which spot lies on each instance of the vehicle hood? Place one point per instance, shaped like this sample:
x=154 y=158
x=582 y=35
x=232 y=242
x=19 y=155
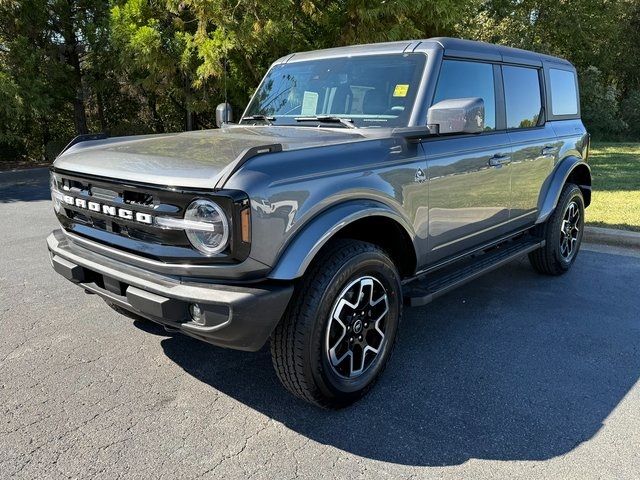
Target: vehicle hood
x=190 y=159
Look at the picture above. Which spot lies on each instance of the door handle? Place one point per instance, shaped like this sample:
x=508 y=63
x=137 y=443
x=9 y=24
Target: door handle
x=499 y=160
x=549 y=150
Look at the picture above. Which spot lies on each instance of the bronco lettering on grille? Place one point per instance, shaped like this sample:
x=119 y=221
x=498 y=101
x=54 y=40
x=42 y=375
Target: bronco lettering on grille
x=110 y=210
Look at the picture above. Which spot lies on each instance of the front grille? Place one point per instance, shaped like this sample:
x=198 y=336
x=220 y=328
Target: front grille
x=146 y=199
x=134 y=236
x=138 y=198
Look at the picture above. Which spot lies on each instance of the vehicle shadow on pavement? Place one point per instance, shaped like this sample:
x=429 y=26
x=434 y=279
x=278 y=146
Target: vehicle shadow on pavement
x=515 y=366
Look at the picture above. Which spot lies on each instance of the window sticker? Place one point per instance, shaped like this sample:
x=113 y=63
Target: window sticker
x=309 y=104
x=401 y=90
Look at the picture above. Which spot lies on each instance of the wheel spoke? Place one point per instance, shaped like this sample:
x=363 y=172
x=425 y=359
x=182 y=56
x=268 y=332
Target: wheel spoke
x=335 y=361
x=366 y=349
x=365 y=282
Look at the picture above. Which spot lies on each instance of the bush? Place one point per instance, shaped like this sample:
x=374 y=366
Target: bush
x=10 y=152
x=630 y=110
x=600 y=102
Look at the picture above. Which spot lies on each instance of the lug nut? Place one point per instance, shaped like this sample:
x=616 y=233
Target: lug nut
x=351 y=339
x=366 y=325
x=360 y=338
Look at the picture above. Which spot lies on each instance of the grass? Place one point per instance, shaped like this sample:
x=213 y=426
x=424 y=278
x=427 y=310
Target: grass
x=615 y=202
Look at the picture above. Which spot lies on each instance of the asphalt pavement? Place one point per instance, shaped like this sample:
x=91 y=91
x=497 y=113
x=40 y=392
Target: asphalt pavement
x=515 y=375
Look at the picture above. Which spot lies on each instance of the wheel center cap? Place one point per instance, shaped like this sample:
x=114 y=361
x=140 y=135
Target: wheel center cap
x=357 y=326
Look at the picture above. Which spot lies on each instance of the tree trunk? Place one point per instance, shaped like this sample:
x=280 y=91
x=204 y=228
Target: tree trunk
x=46 y=137
x=73 y=59
x=188 y=114
x=252 y=70
x=101 y=118
x=158 y=124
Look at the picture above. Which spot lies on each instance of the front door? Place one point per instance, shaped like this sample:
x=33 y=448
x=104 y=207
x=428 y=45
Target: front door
x=468 y=175
x=468 y=192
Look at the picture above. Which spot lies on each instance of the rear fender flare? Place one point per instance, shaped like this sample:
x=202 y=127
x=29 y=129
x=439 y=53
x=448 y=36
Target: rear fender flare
x=555 y=183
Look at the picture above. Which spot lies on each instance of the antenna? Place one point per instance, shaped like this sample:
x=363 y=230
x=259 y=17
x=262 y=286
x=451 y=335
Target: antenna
x=226 y=101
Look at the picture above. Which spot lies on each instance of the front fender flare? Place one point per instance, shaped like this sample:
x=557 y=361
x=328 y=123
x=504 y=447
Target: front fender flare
x=554 y=184
x=302 y=249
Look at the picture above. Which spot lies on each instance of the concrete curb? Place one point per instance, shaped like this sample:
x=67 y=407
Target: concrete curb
x=609 y=236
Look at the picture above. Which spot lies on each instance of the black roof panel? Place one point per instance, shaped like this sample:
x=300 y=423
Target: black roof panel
x=457 y=47
x=453 y=47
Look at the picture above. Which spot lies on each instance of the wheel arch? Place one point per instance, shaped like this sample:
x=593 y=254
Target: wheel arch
x=368 y=221
x=569 y=170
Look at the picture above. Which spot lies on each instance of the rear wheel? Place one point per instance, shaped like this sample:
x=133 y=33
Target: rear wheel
x=339 y=330
x=563 y=234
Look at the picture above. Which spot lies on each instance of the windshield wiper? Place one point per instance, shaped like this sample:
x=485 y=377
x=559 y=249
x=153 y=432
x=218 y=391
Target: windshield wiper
x=347 y=122
x=262 y=118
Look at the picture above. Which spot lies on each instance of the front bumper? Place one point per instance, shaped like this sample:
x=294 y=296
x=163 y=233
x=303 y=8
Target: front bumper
x=235 y=316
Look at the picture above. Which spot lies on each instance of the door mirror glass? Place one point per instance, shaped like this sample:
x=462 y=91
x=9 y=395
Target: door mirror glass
x=457 y=115
x=224 y=114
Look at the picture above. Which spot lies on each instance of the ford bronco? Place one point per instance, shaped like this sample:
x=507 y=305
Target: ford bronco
x=357 y=181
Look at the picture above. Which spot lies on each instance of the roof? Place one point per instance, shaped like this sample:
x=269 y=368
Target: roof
x=451 y=47
x=455 y=47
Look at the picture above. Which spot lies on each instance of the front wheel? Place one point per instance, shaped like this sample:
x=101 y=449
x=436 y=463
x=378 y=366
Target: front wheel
x=338 y=332
x=563 y=234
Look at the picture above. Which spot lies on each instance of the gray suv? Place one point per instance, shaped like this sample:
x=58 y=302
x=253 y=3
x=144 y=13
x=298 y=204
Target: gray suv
x=359 y=180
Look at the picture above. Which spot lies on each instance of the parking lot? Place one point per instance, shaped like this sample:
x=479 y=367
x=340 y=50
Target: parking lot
x=513 y=376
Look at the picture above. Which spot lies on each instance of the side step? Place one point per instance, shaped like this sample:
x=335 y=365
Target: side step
x=422 y=291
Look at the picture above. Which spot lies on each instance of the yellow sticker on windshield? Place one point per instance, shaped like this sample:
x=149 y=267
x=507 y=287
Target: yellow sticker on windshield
x=401 y=90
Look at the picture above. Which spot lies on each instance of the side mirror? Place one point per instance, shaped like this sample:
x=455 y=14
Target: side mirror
x=457 y=115
x=224 y=114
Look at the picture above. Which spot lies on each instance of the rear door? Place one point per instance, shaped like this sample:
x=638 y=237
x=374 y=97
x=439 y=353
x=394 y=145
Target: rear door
x=534 y=143
x=468 y=175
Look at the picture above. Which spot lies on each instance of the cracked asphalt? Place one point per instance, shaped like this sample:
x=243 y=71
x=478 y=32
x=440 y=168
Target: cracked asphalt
x=512 y=376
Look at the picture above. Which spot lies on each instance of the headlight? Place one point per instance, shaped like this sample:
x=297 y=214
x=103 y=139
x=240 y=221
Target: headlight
x=211 y=232
x=56 y=196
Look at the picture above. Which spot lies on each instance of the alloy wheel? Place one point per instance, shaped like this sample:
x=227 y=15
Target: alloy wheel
x=570 y=231
x=356 y=331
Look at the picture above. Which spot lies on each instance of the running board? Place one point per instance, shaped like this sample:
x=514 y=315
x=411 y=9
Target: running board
x=420 y=292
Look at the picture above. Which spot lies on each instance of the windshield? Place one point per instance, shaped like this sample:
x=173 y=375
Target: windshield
x=372 y=91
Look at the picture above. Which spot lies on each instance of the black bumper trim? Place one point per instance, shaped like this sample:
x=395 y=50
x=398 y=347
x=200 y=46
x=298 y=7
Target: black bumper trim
x=240 y=317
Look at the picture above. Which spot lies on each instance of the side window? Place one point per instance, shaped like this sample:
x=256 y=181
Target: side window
x=460 y=79
x=522 y=96
x=564 y=97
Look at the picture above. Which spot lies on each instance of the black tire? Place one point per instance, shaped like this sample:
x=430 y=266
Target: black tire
x=553 y=259
x=300 y=344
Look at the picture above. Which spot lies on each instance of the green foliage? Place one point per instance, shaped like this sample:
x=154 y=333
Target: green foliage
x=601 y=105
x=630 y=111
x=140 y=66
x=600 y=37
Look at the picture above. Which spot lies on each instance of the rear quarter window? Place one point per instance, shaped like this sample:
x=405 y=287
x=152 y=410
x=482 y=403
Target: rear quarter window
x=564 y=96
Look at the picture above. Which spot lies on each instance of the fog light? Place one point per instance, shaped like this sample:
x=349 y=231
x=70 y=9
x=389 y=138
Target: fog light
x=197 y=315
